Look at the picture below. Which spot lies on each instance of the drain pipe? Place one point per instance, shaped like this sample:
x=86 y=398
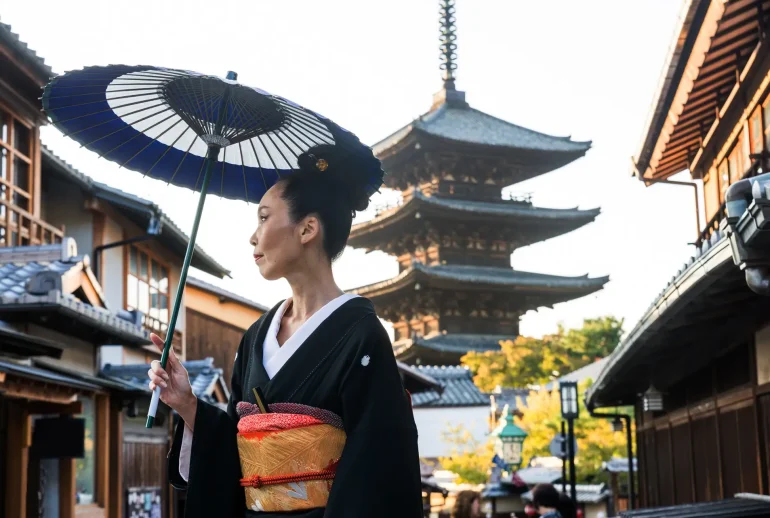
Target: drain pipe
x=627 y=419
x=650 y=181
x=153 y=230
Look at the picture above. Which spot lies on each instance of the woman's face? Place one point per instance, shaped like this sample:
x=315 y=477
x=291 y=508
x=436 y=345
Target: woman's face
x=476 y=507
x=278 y=240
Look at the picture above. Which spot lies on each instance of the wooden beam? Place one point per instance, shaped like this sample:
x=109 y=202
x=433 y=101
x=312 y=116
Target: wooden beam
x=102 y=451
x=67 y=488
x=43 y=407
x=115 y=509
x=24 y=389
x=17 y=462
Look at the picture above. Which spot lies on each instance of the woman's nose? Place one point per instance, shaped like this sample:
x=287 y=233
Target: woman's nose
x=253 y=239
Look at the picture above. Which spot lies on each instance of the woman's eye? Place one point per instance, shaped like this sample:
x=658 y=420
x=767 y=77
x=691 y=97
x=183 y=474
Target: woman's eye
x=263 y=218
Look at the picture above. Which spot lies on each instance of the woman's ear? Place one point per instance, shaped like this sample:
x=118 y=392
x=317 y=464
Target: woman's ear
x=309 y=229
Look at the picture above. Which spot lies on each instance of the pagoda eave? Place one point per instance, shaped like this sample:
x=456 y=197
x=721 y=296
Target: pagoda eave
x=445 y=349
x=554 y=289
x=538 y=222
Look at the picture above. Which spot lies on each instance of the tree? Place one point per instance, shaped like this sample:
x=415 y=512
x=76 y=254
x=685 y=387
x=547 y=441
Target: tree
x=469 y=459
x=529 y=361
x=541 y=419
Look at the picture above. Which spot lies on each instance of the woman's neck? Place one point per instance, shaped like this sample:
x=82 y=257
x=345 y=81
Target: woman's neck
x=310 y=291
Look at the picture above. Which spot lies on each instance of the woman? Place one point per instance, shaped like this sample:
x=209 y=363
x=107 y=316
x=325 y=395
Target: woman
x=467 y=505
x=321 y=350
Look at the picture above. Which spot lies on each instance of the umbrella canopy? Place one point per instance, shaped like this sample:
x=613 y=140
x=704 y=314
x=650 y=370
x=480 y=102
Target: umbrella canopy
x=163 y=122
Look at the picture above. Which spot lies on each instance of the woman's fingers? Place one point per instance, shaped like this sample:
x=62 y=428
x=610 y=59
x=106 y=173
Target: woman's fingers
x=157 y=379
x=158 y=370
x=158 y=341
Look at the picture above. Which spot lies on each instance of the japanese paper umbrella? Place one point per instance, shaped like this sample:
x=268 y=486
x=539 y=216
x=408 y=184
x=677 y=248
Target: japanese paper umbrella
x=201 y=132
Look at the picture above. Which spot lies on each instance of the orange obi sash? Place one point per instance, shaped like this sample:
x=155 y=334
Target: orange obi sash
x=288 y=460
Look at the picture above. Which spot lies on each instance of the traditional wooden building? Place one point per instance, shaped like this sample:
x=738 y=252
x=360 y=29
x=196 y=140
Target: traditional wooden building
x=453 y=233
x=86 y=272
x=696 y=365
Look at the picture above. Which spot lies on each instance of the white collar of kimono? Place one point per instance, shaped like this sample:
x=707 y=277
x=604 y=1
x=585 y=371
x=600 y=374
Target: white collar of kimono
x=274 y=356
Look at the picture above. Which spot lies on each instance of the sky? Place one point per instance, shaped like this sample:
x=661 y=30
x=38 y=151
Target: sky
x=588 y=69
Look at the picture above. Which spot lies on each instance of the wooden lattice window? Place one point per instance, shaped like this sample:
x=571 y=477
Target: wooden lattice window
x=16 y=176
x=147 y=289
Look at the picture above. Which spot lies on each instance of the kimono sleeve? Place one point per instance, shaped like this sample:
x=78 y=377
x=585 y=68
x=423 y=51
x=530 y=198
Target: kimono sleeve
x=213 y=486
x=379 y=472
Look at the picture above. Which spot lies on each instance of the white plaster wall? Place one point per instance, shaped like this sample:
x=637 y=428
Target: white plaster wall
x=112 y=265
x=432 y=422
x=64 y=204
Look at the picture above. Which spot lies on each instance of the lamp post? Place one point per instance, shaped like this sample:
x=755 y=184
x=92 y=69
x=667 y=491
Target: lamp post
x=570 y=410
x=509 y=440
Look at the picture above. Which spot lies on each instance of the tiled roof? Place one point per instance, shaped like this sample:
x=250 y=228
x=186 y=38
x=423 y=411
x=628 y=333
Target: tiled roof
x=618 y=465
x=472 y=126
x=29 y=56
x=140 y=209
x=462 y=343
x=458 y=389
x=697 y=267
x=508 y=208
x=742 y=506
x=590 y=371
x=20 y=265
x=216 y=290
x=539 y=475
x=585 y=493
x=203 y=376
x=46 y=376
x=511 y=397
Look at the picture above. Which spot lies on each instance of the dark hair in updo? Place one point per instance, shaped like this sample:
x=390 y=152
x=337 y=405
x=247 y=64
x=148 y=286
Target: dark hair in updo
x=333 y=185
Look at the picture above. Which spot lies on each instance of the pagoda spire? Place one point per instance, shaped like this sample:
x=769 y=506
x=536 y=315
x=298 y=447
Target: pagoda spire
x=448 y=47
x=448 y=94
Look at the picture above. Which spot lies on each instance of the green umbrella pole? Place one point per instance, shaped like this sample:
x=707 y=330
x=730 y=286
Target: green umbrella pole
x=211 y=159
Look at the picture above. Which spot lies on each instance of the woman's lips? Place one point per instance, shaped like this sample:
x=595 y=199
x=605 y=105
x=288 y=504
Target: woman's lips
x=257 y=257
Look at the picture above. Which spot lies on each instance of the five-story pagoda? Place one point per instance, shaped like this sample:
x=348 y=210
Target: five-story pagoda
x=453 y=233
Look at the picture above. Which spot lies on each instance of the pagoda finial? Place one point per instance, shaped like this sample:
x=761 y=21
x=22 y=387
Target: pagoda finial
x=448 y=47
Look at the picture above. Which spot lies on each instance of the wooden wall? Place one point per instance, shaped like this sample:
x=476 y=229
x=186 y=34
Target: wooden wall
x=209 y=337
x=711 y=442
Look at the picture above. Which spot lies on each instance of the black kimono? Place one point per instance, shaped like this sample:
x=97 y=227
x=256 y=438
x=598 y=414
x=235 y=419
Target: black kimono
x=378 y=474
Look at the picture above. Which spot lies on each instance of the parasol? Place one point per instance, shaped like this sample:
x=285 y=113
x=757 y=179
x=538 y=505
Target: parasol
x=200 y=132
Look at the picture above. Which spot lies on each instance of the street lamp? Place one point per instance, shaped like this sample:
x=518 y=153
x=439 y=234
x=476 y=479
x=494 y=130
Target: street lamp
x=570 y=410
x=509 y=440
x=617 y=425
x=652 y=400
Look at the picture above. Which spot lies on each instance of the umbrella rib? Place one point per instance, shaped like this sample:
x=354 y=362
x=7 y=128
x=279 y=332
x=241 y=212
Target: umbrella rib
x=289 y=130
x=203 y=164
x=269 y=136
x=183 y=159
x=138 y=132
x=259 y=165
x=269 y=156
x=123 y=128
x=306 y=117
x=169 y=148
x=312 y=133
x=153 y=140
x=105 y=99
x=60 y=85
x=98 y=93
x=188 y=106
x=279 y=134
x=298 y=129
x=60 y=121
x=243 y=172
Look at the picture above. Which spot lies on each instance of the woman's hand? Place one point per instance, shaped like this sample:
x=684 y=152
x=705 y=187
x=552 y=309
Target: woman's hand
x=174 y=382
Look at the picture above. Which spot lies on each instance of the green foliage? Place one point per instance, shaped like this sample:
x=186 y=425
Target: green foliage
x=469 y=459
x=529 y=361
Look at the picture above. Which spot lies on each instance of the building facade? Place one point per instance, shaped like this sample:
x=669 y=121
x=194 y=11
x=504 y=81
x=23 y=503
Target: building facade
x=695 y=365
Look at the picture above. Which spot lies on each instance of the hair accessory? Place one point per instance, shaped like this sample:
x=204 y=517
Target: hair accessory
x=322 y=164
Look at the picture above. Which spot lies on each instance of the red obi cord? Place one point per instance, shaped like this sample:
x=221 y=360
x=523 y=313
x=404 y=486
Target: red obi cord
x=324 y=474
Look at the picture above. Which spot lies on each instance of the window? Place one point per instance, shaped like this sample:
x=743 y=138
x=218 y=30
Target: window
x=16 y=143
x=735 y=161
x=711 y=192
x=147 y=289
x=766 y=120
x=724 y=179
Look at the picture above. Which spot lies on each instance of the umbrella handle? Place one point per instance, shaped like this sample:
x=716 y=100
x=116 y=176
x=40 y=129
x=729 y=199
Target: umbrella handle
x=211 y=158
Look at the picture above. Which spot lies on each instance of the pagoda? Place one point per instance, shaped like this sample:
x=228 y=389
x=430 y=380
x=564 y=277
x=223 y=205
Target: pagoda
x=453 y=232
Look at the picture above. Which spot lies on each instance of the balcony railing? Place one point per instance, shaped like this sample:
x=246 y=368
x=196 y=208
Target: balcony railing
x=20 y=228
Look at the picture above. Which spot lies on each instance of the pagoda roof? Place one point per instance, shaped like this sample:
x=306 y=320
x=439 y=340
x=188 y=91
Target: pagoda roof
x=487 y=278
x=514 y=213
x=447 y=348
x=461 y=123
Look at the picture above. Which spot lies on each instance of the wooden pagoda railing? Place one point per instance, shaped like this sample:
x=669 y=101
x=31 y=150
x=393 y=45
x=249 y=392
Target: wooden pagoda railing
x=20 y=228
